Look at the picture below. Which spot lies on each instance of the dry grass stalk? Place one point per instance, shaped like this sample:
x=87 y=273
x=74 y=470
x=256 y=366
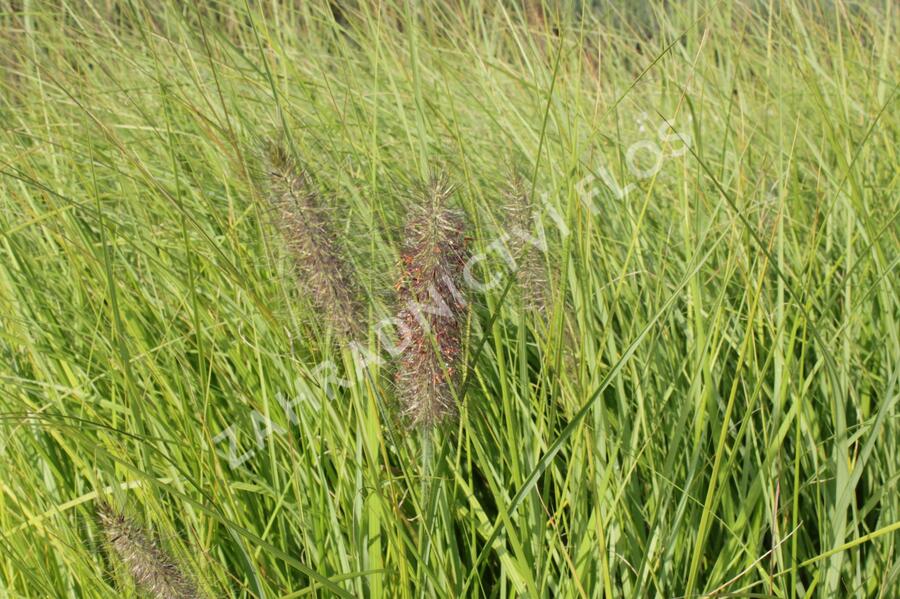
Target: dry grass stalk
x=432 y=307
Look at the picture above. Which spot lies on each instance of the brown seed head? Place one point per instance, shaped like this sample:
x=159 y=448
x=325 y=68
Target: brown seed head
x=323 y=273
x=432 y=307
x=525 y=244
x=151 y=568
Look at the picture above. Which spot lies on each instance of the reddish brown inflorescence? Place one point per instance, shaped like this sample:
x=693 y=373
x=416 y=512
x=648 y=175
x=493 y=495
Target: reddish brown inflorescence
x=432 y=307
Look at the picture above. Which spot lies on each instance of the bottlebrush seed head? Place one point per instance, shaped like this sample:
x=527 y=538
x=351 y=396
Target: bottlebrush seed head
x=432 y=307
x=323 y=273
x=525 y=244
x=152 y=569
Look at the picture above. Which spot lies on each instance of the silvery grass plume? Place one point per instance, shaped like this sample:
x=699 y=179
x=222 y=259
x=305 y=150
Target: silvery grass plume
x=525 y=245
x=154 y=572
x=300 y=214
x=432 y=307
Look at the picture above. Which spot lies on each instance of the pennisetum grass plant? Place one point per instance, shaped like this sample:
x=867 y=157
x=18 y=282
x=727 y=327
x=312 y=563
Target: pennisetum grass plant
x=304 y=221
x=707 y=405
x=153 y=570
x=431 y=306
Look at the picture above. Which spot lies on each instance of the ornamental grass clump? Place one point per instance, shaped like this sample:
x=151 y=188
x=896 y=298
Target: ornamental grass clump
x=432 y=307
x=154 y=572
x=323 y=273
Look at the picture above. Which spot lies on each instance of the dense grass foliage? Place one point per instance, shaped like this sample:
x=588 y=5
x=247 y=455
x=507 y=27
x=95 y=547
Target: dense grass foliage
x=688 y=388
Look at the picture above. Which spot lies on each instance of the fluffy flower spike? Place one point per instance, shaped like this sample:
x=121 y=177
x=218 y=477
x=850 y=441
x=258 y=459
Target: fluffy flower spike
x=525 y=245
x=432 y=307
x=323 y=273
x=154 y=572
